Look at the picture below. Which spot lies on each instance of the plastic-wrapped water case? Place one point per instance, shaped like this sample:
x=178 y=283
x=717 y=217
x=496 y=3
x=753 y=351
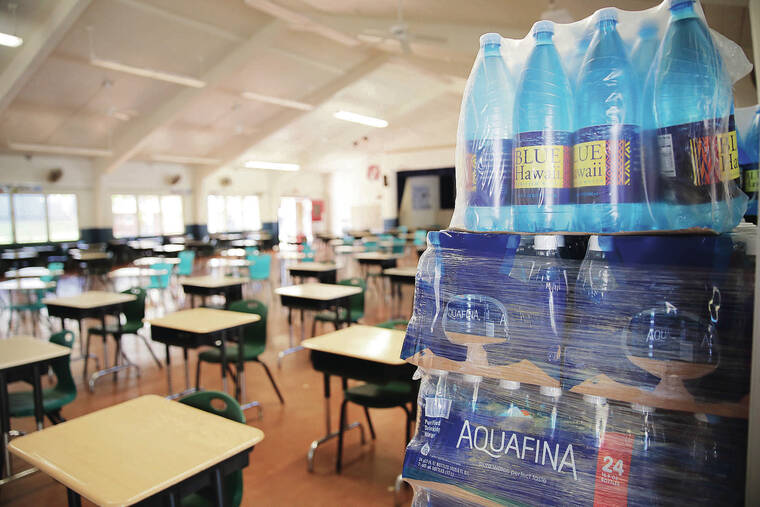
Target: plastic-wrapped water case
x=621 y=122
x=748 y=135
x=571 y=370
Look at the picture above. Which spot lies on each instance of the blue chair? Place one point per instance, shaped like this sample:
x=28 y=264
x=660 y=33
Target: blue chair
x=186 y=259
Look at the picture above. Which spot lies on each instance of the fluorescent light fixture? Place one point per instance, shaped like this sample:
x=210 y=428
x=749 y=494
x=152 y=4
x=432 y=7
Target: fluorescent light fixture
x=59 y=150
x=293 y=104
x=149 y=73
x=181 y=159
x=360 y=118
x=9 y=40
x=274 y=166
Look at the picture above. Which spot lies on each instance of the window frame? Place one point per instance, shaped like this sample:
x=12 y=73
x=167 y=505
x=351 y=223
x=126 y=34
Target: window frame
x=46 y=206
x=224 y=198
x=137 y=197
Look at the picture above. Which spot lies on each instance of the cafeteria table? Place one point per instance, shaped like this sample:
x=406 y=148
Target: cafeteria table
x=399 y=277
x=227 y=264
x=190 y=329
x=149 y=261
x=22 y=358
x=147 y=450
x=135 y=273
x=92 y=305
x=229 y=287
x=30 y=286
x=325 y=272
x=32 y=272
x=316 y=297
x=367 y=353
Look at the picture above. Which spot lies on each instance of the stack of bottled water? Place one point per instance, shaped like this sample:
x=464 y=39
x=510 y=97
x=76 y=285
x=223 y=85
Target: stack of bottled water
x=619 y=123
x=748 y=134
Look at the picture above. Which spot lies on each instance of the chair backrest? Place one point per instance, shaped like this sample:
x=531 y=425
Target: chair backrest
x=260 y=266
x=403 y=229
x=420 y=237
x=394 y=324
x=186 y=259
x=251 y=250
x=370 y=246
x=256 y=333
x=161 y=281
x=399 y=245
x=356 y=301
x=134 y=311
x=62 y=366
x=55 y=266
x=226 y=407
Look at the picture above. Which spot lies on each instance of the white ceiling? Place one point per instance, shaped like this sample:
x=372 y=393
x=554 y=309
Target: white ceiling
x=261 y=46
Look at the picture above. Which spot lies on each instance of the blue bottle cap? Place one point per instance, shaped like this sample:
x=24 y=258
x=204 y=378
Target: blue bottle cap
x=543 y=26
x=490 y=38
x=679 y=3
x=606 y=14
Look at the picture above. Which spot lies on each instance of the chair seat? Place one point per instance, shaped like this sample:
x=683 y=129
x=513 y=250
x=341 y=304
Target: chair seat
x=214 y=355
x=392 y=394
x=22 y=402
x=329 y=316
x=128 y=328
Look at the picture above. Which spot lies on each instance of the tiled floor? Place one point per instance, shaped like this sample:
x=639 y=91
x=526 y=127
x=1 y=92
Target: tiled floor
x=277 y=474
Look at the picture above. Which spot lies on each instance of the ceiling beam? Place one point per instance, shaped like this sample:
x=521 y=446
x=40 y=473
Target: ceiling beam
x=37 y=47
x=281 y=120
x=136 y=133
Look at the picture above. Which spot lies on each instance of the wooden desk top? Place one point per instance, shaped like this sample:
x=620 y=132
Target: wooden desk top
x=128 y=452
x=90 y=256
x=362 y=342
x=410 y=272
x=234 y=252
x=149 y=261
x=135 y=272
x=212 y=282
x=318 y=291
x=20 y=350
x=32 y=272
x=348 y=249
x=25 y=284
x=204 y=320
x=375 y=256
x=313 y=266
x=171 y=248
x=91 y=299
x=27 y=254
x=290 y=255
x=228 y=262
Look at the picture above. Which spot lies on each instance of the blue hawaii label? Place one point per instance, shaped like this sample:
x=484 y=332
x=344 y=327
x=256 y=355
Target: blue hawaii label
x=543 y=168
x=489 y=172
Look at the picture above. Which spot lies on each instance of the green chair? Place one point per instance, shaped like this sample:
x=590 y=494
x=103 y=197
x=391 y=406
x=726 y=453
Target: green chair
x=134 y=313
x=53 y=398
x=400 y=324
x=395 y=393
x=254 y=343
x=210 y=401
x=356 y=304
x=185 y=266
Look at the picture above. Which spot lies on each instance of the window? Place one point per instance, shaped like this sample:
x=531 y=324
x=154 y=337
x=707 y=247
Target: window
x=227 y=213
x=37 y=218
x=146 y=215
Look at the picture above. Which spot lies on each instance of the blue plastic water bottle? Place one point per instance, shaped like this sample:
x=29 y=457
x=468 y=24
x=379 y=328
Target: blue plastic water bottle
x=487 y=123
x=607 y=154
x=749 y=158
x=645 y=50
x=696 y=139
x=542 y=194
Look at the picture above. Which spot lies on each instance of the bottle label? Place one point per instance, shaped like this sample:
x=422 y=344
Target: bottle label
x=749 y=178
x=488 y=172
x=698 y=160
x=613 y=466
x=542 y=172
x=607 y=164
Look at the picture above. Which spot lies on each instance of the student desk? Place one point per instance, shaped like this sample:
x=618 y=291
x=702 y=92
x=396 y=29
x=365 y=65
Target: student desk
x=399 y=277
x=149 y=261
x=316 y=297
x=147 y=449
x=22 y=358
x=325 y=272
x=198 y=327
x=229 y=287
x=92 y=305
x=32 y=272
x=367 y=353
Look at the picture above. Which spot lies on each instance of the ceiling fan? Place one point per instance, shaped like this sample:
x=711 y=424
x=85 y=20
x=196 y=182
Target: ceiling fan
x=399 y=32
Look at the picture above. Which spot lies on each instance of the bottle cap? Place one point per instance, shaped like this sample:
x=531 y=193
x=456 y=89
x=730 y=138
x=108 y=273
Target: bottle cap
x=560 y=241
x=490 y=38
x=545 y=242
x=594 y=400
x=510 y=385
x=679 y=3
x=599 y=244
x=641 y=408
x=543 y=26
x=606 y=14
x=553 y=392
x=471 y=379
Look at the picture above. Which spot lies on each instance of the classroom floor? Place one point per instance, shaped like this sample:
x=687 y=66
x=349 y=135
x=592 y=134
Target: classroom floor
x=277 y=474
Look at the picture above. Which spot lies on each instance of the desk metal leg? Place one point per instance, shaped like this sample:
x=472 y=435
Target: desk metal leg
x=5 y=423
x=188 y=389
x=218 y=486
x=328 y=435
x=74 y=499
x=241 y=377
x=116 y=368
x=223 y=352
x=39 y=414
x=169 y=369
x=292 y=348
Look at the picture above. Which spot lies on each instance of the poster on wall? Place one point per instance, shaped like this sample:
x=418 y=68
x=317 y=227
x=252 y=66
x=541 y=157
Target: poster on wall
x=317 y=209
x=421 y=197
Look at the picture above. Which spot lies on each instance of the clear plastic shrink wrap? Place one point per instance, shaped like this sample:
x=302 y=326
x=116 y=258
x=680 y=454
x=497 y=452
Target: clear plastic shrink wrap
x=748 y=135
x=621 y=122
x=602 y=370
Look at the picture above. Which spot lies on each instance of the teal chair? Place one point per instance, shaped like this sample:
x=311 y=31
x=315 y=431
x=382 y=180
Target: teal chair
x=254 y=343
x=53 y=398
x=370 y=246
x=251 y=250
x=56 y=266
x=402 y=229
x=356 y=304
x=308 y=253
x=134 y=313
x=420 y=237
x=160 y=282
x=185 y=266
x=399 y=246
x=260 y=268
x=223 y=405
